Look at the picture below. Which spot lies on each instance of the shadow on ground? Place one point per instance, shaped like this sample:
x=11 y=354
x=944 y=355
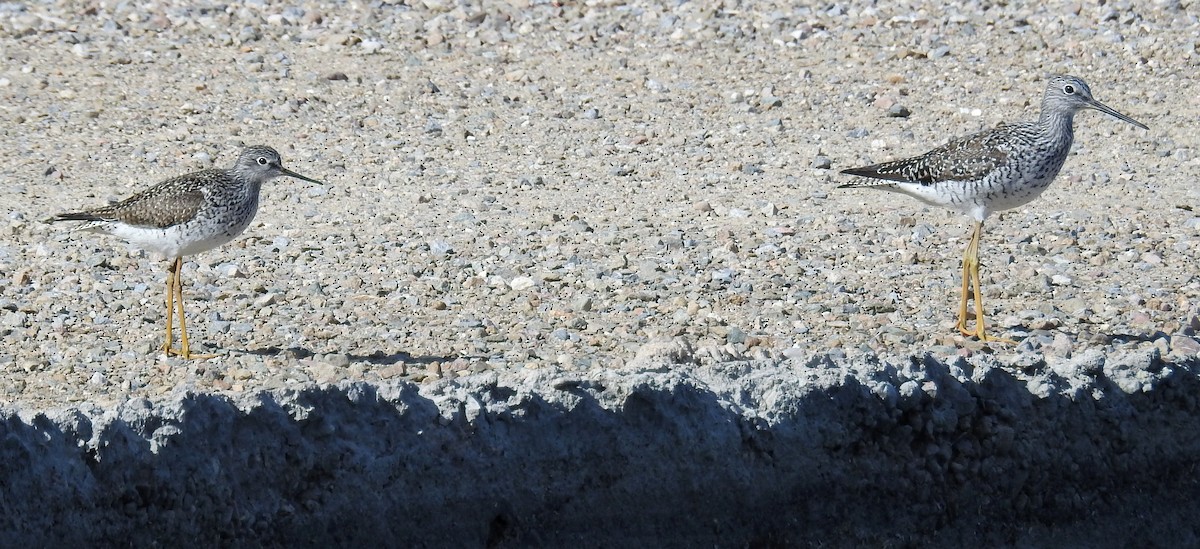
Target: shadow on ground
x=923 y=453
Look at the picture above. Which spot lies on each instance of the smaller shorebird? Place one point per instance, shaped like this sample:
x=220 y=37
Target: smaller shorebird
x=186 y=215
x=996 y=169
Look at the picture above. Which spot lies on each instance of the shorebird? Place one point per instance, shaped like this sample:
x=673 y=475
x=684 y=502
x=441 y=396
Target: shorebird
x=992 y=170
x=186 y=215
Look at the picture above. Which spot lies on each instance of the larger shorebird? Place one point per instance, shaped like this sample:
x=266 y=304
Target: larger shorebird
x=995 y=169
x=186 y=215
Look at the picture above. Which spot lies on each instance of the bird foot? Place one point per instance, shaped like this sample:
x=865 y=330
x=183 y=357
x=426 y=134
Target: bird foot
x=992 y=339
x=186 y=354
x=979 y=334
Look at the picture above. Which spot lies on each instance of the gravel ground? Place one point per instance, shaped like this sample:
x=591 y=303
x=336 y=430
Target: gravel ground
x=524 y=185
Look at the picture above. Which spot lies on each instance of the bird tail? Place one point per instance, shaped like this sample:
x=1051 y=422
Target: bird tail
x=866 y=183
x=73 y=216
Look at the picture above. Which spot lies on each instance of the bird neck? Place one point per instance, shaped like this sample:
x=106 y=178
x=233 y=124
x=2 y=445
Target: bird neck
x=250 y=183
x=253 y=189
x=1057 y=125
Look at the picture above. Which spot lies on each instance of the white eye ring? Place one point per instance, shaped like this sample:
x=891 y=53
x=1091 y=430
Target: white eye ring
x=1069 y=89
x=262 y=161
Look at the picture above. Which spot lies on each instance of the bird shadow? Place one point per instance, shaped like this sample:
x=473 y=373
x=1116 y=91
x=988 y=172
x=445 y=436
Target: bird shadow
x=1111 y=338
x=1125 y=337
x=375 y=357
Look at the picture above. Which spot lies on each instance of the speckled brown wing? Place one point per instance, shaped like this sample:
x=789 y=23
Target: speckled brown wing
x=966 y=159
x=167 y=204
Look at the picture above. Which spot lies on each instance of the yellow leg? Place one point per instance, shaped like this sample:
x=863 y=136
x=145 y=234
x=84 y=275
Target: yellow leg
x=971 y=284
x=175 y=290
x=966 y=288
x=172 y=274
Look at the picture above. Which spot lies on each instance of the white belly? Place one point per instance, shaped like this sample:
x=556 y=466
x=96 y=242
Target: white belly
x=177 y=241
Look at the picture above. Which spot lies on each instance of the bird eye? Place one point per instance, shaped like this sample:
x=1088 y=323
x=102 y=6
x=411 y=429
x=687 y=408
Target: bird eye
x=262 y=161
x=1069 y=89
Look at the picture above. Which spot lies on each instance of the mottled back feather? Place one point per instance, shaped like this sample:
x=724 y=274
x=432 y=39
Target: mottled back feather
x=174 y=201
x=968 y=158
